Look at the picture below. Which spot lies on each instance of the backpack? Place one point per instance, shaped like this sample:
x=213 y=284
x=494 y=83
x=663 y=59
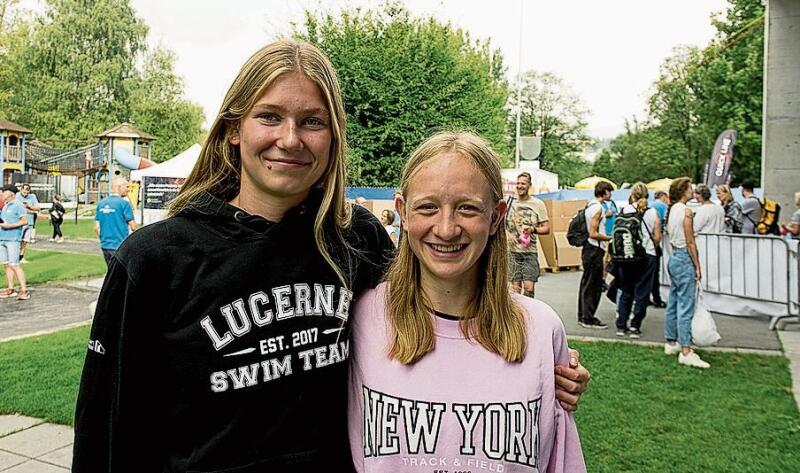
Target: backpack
x=626 y=239
x=770 y=213
x=577 y=233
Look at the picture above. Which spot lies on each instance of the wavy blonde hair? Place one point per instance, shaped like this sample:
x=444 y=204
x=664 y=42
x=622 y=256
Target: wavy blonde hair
x=493 y=319
x=217 y=171
x=638 y=197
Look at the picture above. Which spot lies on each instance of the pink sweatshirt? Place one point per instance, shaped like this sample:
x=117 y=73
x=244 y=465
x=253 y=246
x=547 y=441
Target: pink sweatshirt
x=460 y=408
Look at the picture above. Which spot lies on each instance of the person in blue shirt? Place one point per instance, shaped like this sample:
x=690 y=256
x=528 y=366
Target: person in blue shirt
x=13 y=219
x=611 y=211
x=661 y=204
x=113 y=220
x=31 y=203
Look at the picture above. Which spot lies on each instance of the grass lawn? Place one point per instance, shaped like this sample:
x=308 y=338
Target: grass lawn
x=83 y=229
x=47 y=266
x=643 y=412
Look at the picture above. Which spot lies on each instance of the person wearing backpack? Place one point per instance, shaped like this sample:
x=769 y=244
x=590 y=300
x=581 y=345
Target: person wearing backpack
x=636 y=275
x=751 y=208
x=733 y=210
x=591 y=288
x=684 y=274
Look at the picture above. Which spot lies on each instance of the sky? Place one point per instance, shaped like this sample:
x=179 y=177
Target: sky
x=608 y=51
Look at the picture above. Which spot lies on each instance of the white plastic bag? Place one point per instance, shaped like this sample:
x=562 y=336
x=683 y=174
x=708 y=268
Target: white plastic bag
x=704 y=330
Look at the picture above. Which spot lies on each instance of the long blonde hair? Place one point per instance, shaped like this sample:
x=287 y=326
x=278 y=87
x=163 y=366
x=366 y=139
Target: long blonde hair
x=493 y=319
x=217 y=171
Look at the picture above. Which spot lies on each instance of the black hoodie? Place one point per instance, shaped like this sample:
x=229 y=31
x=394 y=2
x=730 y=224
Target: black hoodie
x=219 y=344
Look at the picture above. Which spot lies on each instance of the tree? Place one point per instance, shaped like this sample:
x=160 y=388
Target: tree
x=403 y=78
x=642 y=153
x=74 y=77
x=698 y=94
x=158 y=107
x=75 y=74
x=551 y=110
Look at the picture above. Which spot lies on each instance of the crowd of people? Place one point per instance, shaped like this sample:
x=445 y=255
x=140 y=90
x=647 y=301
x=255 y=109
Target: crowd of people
x=681 y=214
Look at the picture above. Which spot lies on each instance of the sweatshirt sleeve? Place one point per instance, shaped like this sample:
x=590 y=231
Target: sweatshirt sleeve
x=117 y=416
x=566 y=455
x=375 y=247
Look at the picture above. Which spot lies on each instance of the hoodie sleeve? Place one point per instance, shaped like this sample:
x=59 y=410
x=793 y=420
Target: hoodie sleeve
x=566 y=455
x=117 y=414
x=375 y=246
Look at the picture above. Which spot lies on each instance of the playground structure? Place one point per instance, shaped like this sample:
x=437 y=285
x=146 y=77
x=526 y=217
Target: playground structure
x=118 y=150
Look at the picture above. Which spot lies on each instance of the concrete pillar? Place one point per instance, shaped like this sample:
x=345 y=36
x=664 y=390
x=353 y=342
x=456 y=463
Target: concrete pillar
x=780 y=153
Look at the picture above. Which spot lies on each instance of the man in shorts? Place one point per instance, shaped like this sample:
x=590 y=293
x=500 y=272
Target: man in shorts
x=527 y=218
x=31 y=203
x=13 y=220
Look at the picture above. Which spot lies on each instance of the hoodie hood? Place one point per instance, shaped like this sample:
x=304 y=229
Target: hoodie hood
x=232 y=222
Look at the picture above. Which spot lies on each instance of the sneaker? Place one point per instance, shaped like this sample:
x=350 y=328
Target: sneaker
x=635 y=333
x=24 y=295
x=659 y=305
x=52 y=239
x=23 y=261
x=594 y=323
x=692 y=359
x=60 y=240
x=622 y=332
x=8 y=292
x=671 y=349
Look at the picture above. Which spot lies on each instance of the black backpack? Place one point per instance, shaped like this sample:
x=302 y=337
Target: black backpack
x=626 y=239
x=577 y=234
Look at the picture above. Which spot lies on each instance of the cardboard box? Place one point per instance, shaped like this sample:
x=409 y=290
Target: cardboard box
x=547 y=246
x=567 y=254
x=560 y=212
x=542 y=261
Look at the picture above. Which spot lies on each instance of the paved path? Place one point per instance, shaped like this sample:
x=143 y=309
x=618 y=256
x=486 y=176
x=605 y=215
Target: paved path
x=560 y=291
x=80 y=245
x=51 y=307
x=30 y=445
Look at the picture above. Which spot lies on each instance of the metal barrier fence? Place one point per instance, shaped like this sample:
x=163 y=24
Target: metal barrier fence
x=759 y=271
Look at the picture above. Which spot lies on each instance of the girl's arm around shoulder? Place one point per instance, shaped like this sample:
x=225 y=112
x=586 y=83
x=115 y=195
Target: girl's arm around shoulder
x=540 y=317
x=566 y=455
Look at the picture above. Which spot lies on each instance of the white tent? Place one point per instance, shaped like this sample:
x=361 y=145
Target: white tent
x=179 y=166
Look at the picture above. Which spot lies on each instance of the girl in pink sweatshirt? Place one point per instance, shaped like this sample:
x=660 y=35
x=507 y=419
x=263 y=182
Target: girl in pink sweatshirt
x=450 y=372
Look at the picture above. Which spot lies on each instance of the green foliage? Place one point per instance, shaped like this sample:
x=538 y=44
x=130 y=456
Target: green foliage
x=402 y=79
x=552 y=111
x=73 y=72
x=158 y=107
x=700 y=93
x=641 y=154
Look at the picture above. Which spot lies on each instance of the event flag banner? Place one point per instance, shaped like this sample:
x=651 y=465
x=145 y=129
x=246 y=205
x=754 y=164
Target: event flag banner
x=718 y=170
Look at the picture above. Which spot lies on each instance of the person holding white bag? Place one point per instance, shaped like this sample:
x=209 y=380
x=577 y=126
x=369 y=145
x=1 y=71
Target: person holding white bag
x=684 y=274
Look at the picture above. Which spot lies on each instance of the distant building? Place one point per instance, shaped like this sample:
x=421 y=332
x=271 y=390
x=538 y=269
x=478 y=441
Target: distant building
x=13 y=139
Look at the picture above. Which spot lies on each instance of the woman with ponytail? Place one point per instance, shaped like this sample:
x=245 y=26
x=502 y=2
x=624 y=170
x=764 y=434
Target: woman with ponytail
x=636 y=278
